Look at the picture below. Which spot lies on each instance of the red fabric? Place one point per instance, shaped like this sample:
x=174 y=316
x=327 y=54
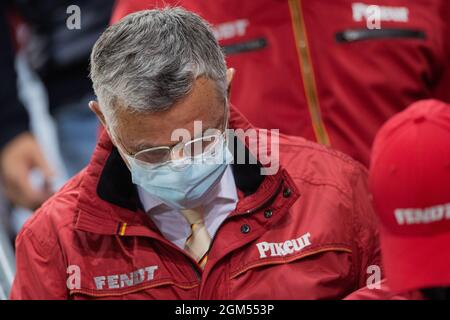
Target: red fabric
x=328 y=200
x=410 y=173
x=359 y=85
x=383 y=291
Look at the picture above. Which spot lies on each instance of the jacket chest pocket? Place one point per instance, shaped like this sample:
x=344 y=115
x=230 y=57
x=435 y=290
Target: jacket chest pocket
x=144 y=281
x=321 y=272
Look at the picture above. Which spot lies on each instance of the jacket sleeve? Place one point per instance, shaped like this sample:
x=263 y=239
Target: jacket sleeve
x=441 y=90
x=40 y=271
x=371 y=284
x=367 y=255
x=13 y=116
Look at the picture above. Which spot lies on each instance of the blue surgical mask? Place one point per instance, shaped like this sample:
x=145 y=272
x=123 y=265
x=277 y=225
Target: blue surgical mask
x=182 y=183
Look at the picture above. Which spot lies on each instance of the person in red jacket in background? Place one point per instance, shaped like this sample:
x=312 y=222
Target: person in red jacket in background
x=329 y=71
x=410 y=182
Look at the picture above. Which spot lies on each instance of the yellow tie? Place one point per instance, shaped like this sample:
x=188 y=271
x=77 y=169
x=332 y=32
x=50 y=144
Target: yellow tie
x=197 y=244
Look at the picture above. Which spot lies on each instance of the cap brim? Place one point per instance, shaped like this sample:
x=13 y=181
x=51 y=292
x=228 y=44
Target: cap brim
x=412 y=263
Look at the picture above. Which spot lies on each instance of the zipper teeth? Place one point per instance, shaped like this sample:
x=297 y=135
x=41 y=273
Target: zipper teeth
x=307 y=72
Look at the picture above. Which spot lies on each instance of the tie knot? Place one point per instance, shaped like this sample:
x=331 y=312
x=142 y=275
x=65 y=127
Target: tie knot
x=193 y=216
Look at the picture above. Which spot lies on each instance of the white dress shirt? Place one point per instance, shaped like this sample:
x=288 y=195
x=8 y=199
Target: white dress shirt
x=174 y=227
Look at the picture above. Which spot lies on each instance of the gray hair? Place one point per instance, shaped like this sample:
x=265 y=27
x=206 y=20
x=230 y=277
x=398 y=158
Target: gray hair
x=149 y=60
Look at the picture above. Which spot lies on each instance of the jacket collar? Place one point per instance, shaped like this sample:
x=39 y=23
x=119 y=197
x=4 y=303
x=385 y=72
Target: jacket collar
x=108 y=198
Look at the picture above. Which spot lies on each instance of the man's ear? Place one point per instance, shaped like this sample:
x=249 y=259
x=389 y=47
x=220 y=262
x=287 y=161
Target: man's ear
x=230 y=75
x=95 y=107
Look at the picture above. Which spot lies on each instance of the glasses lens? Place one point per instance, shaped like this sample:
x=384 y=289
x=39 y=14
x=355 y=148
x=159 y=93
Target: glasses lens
x=154 y=156
x=205 y=146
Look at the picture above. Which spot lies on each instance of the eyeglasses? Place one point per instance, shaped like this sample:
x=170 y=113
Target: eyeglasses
x=206 y=145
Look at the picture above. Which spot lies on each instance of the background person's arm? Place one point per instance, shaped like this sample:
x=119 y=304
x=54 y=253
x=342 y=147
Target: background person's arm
x=367 y=252
x=19 y=151
x=441 y=86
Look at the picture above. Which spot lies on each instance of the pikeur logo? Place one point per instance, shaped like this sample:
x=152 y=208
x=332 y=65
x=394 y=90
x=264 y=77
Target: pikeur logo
x=274 y=249
x=423 y=216
x=362 y=11
x=117 y=281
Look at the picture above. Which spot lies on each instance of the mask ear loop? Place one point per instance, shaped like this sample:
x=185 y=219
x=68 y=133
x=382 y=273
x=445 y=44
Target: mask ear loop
x=223 y=137
x=227 y=134
x=121 y=149
x=227 y=114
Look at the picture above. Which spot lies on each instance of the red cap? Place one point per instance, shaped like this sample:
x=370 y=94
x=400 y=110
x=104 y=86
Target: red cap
x=410 y=183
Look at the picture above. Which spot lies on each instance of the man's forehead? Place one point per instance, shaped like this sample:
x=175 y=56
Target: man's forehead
x=155 y=129
x=163 y=136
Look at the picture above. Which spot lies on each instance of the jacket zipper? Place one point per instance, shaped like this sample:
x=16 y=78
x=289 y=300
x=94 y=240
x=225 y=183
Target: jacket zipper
x=352 y=35
x=307 y=72
x=199 y=277
x=249 y=211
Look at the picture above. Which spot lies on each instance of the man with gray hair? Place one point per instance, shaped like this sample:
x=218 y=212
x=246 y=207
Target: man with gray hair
x=176 y=204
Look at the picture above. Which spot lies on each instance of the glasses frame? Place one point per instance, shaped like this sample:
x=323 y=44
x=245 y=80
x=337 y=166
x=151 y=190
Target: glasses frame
x=180 y=145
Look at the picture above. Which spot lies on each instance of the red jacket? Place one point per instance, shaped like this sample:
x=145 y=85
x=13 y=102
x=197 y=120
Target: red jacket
x=307 y=232
x=300 y=69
